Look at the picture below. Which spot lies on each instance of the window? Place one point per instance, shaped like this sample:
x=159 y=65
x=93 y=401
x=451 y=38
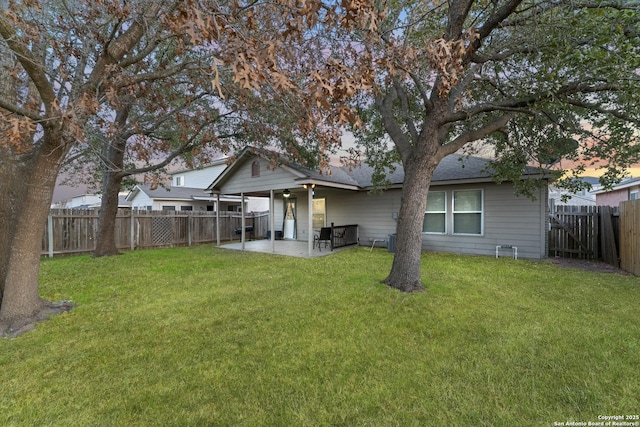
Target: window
x=179 y=181
x=186 y=208
x=255 y=168
x=633 y=195
x=168 y=208
x=467 y=212
x=435 y=217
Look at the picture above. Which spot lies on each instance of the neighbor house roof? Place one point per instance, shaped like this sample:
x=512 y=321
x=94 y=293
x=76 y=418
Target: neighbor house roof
x=631 y=182
x=170 y=193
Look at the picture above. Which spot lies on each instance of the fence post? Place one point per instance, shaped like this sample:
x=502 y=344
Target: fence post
x=189 y=221
x=133 y=229
x=50 y=233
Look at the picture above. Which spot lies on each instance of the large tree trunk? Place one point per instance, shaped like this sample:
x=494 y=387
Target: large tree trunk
x=113 y=158
x=105 y=239
x=405 y=272
x=21 y=303
x=11 y=186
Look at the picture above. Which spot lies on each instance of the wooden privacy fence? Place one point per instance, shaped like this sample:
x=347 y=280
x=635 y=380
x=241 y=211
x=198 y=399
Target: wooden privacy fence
x=74 y=231
x=630 y=236
x=584 y=232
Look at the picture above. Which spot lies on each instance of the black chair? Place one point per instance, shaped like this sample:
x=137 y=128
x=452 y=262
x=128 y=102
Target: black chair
x=324 y=236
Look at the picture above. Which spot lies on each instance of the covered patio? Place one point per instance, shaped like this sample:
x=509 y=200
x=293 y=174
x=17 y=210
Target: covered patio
x=297 y=209
x=293 y=248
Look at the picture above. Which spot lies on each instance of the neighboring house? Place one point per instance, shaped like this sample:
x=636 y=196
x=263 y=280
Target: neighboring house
x=89 y=201
x=626 y=190
x=187 y=193
x=581 y=198
x=198 y=178
x=466 y=211
x=142 y=197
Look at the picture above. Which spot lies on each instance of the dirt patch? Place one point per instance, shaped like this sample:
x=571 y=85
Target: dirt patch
x=588 y=265
x=23 y=325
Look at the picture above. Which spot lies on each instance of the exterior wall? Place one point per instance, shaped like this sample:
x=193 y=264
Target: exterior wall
x=243 y=182
x=508 y=220
x=141 y=201
x=373 y=213
x=84 y=200
x=257 y=204
x=197 y=206
x=199 y=178
x=612 y=198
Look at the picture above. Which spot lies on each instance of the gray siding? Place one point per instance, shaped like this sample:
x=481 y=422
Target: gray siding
x=243 y=182
x=508 y=220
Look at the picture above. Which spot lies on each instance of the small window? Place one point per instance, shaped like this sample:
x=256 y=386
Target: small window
x=179 y=181
x=436 y=213
x=255 y=168
x=633 y=195
x=467 y=212
x=168 y=208
x=186 y=208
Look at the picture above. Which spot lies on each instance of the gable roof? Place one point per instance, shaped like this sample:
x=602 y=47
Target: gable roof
x=453 y=169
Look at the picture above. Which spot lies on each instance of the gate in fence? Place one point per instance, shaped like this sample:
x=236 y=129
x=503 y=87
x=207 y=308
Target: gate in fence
x=584 y=232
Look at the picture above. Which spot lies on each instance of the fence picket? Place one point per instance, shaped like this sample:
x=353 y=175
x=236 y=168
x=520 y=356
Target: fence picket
x=584 y=232
x=74 y=231
x=630 y=236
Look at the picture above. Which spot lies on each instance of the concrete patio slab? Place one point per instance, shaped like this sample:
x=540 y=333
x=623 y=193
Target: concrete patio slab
x=293 y=248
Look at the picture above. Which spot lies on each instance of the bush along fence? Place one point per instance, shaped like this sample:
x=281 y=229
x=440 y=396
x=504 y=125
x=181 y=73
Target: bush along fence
x=71 y=231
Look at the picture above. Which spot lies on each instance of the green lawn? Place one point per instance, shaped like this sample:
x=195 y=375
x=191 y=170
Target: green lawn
x=204 y=336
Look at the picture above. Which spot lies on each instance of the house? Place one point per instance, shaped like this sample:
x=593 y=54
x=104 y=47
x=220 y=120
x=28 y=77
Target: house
x=143 y=197
x=467 y=212
x=560 y=197
x=89 y=201
x=626 y=190
x=187 y=193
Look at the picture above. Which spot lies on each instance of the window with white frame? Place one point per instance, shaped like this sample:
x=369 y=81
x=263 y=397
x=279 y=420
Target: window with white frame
x=633 y=195
x=178 y=181
x=435 y=216
x=467 y=212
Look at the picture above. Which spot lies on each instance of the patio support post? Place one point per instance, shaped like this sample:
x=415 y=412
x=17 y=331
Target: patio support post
x=243 y=221
x=272 y=221
x=218 y=219
x=310 y=219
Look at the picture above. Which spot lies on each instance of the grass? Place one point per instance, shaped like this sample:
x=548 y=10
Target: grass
x=204 y=336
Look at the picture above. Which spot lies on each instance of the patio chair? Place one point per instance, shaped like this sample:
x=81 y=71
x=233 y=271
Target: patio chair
x=324 y=236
